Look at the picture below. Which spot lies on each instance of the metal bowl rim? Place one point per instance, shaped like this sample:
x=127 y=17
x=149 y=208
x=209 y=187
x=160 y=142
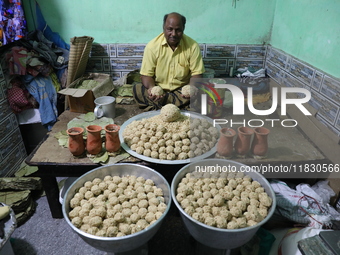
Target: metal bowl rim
x=10 y=223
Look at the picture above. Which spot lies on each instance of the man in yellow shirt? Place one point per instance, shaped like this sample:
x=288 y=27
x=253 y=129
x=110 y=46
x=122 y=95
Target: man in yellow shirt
x=170 y=61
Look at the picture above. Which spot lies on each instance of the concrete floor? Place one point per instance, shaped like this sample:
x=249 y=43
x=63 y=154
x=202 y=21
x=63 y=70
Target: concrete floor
x=42 y=235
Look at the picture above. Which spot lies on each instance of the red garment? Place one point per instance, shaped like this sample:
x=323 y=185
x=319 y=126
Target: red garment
x=20 y=63
x=19 y=98
x=17 y=60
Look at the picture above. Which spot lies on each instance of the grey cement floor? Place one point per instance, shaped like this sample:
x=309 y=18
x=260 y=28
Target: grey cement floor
x=44 y=235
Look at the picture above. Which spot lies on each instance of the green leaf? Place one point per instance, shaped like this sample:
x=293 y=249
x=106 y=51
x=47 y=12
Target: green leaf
x=63 y=142
x=61 y=134
x=113 y=160
x=89 y=116
x=25 y=170
x=87 y=119
x=100 y=158
x=76 y=123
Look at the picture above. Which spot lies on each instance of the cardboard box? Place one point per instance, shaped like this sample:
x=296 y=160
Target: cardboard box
x=82 y=100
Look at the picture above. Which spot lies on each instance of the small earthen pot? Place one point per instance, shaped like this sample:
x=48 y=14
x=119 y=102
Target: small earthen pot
x=94 y=139
x=225 y=144
x=112 y=143
x=243 y=141
x=259 y=146
x=76 y=143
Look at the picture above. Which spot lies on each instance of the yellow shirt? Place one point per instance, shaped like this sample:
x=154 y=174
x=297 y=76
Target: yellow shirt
x=172 y=69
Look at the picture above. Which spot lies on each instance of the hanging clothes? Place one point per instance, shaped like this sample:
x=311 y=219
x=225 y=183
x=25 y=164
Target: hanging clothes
x=18 y=96
x=12 y=21
x=43 y=90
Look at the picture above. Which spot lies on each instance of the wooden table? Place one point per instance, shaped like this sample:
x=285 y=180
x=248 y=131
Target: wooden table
x=54 y=161
x=286 y=146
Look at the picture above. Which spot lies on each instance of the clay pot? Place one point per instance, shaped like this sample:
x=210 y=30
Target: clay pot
x=225 y=142
x=243 y=141
x=259 y=146
x=94 y=139
x=76 y=143
x=112 y=143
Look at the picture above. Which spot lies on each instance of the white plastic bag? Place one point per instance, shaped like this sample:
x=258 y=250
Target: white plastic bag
x=246 y=73
x=323 y=190
x=303 y=205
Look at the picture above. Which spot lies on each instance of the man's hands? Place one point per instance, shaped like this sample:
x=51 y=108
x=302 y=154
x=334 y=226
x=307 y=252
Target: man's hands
x=193 y=92
x=186 y=97
x=154 y=97
x=149 y=83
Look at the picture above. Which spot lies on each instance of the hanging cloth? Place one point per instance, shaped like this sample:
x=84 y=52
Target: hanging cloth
x=43 y=90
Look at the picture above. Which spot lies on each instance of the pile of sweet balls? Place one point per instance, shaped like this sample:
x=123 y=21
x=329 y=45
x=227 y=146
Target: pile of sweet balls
x=116 y=206
x=228 y=201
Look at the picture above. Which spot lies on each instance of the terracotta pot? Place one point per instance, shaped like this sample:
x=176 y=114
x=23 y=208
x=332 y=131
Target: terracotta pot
x=76 y=143
x=243 y=141
x=112 y=143
x=259 y=146
x=94 y=139
x=225 y=142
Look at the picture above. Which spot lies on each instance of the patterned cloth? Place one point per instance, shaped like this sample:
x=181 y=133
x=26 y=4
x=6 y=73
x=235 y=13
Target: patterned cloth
x=12 y=21
x=17 y=59
x=19 y=98
x=22 y=61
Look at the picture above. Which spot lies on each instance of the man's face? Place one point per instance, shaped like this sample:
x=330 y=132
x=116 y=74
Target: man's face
x=173 y=30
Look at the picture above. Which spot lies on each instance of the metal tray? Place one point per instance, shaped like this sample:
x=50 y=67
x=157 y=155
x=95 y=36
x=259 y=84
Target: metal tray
x=150 y=114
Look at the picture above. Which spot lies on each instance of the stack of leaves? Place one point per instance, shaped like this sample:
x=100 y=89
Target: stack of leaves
x=88 y=84
x=16 y=192
x=124 y=94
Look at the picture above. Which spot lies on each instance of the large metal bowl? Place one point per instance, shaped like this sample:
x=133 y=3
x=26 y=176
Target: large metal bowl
x=147 y=115
x=218 y=238
x=124 y=243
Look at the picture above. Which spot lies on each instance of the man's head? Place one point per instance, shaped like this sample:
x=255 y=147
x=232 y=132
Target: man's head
x=173 y=28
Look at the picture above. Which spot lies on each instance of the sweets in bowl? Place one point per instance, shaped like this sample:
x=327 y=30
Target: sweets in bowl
x=117 y=208
x=220 y=208
x=171 y=135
